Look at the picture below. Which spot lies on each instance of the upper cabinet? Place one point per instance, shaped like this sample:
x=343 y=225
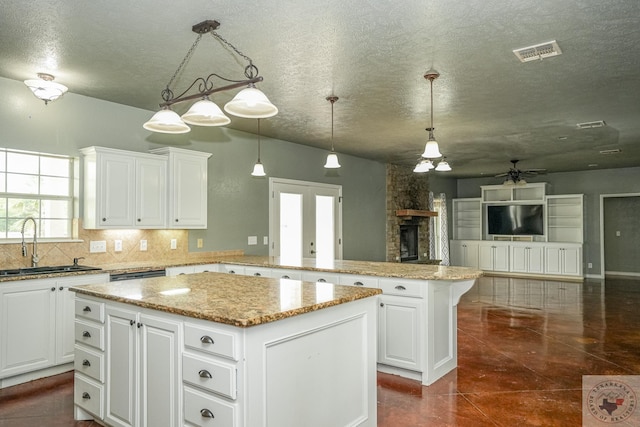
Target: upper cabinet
x=125 y=189
x=514 y=193
x=187 y=187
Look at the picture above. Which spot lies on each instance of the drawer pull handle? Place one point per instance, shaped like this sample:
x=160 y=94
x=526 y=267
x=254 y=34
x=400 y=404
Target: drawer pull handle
x=206 y=339
x=206 y=413
x=257 y=274
x=401 y=288
x=86 y=395
x=322 y=281
x=358 y=284
x=204 y=374
x=231 y=272
x=87 y=309
x=85 y=362
x=286 y=277
x=86 y=334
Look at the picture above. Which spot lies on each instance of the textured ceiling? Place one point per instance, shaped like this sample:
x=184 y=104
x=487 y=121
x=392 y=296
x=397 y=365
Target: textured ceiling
x=488 y=107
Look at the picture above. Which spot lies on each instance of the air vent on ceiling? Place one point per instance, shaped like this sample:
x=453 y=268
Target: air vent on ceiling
x=539 y=51
x=591 y=125
x=613 y=151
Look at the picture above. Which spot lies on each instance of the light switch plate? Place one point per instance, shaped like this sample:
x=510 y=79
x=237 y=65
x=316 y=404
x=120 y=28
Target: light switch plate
x=265 y=240
x=117 y=245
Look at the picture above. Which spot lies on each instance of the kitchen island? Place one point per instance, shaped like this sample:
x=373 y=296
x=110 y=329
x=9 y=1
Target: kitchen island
x=224 y=350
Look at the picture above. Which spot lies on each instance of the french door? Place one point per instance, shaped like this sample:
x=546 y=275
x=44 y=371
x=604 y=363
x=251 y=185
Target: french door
x=305 y=221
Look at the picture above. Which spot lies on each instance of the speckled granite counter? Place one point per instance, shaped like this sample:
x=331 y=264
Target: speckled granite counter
x=224 y=298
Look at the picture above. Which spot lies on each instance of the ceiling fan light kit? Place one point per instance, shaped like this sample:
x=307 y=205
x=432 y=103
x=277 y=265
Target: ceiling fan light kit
x=248 y=103
x=515 y=176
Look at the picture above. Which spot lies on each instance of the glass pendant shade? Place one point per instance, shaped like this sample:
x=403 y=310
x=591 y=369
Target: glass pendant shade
x=251 y=103
x=166 y=121
x=443 y=166
x=423 y=166
x=431 y=150
x=205 y=113
x=46 y=89
x=258 y=169
x=332 y=161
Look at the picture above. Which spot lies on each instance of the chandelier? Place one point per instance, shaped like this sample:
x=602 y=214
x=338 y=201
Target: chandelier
x=248 y=103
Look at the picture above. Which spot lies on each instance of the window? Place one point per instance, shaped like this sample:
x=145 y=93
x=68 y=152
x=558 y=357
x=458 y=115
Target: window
x=35 y=185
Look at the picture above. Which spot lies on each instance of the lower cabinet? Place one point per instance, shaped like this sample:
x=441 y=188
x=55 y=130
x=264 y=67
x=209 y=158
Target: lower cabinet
x=563 y=260
x=527 y=259
x=399 y=326
x=464 y=253
x=148 y=396
x=493 y=256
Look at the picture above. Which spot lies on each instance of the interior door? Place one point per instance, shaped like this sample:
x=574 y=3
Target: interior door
x=305 y=221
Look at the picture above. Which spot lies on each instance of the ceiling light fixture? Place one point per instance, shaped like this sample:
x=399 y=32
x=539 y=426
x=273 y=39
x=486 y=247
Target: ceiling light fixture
x=443 y=166
x=431 y=150
x=258 y=168
x=332 y=157
x=424 y=165
x=45 y=88
x=249 y=103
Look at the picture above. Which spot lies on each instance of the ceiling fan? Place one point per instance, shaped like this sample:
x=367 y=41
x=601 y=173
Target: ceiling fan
x=515 y=176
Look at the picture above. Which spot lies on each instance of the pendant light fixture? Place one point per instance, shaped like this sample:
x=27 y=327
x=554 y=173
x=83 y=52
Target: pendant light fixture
x=424 y=165
x=258 y=168
x=431 y=150
x=332 y=157
x=443 y=166
x=45 y=88
x=249 y=103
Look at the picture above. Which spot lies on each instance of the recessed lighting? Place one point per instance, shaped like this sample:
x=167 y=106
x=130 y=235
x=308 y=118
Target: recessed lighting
x=612 y=151
x=563 y=138
x=593 y=165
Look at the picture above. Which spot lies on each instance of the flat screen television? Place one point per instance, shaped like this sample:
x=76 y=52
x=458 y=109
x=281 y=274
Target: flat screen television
x=515 y=219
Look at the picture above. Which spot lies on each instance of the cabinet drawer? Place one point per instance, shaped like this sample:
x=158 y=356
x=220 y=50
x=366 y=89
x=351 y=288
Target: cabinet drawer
x=279 y=273
x=210 y=341
x=87 y=394
x=89 y=362
x=91 y=310
x=89 y=334
x=216 y=377
x=402 y=287
x=202 y=409
x=366 y=281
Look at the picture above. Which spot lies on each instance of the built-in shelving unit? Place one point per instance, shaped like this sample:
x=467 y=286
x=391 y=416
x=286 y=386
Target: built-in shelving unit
x=529 y=193
x=565 y=218
x=467 y=219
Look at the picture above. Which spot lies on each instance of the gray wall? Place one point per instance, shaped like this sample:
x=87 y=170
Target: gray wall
x=590 y=183
x=238 y=203
x=622 y=252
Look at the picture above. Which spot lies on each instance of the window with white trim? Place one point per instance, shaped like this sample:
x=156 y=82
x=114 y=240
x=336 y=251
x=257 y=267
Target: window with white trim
x=39 y=186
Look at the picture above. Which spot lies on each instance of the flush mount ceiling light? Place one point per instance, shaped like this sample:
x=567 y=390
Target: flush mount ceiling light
x=249 y=103
x=45 y=88
x=431 y=150
x=258 y=168
x=332 y=157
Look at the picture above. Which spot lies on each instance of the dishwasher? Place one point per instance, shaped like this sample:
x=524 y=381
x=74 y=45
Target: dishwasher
x=134 y=275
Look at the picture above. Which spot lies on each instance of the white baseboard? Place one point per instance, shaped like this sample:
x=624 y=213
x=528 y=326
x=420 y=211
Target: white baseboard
x=621 y=273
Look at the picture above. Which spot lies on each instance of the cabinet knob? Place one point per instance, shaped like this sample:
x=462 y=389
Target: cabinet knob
x=358 y=284
x=53 y=289
x=86 y=334
x=206 y=339
x=176 y=219
x=401 y=288
x=104 y=219
x=86 y=309
x=60 y=288
x=206 y=413
x=85 y=362
x=139 y=325
x=381 y=304
x=86 y=395
x=203 y=373
x=139 y=220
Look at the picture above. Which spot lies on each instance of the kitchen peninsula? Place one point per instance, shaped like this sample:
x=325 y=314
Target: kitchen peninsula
x=219 y=349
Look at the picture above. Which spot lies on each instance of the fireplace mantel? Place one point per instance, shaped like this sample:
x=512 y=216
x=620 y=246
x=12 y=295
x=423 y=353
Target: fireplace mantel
x=410 y=213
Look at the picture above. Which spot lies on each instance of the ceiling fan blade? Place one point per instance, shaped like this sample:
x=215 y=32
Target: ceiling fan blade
x=501 y=174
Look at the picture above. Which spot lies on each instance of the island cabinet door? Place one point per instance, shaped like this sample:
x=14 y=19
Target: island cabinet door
x=142 y=370
x=399 y=332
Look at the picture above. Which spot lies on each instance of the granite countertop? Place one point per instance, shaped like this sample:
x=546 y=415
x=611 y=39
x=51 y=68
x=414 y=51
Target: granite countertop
x=226 y=298
x=368 y=268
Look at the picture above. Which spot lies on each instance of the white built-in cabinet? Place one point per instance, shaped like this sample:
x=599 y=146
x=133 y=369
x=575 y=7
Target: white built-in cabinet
x=163 y=189
x=142 y=369
x=557 y=253
x=37 y=327
x=399 y=331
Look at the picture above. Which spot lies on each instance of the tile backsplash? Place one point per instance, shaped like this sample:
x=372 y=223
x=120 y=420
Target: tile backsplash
x=63 y=253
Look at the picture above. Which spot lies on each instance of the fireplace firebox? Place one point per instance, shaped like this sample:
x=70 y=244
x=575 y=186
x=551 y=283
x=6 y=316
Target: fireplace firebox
x=408 y=242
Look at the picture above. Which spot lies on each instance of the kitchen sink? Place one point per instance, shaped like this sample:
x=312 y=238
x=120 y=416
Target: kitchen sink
x=29 y=271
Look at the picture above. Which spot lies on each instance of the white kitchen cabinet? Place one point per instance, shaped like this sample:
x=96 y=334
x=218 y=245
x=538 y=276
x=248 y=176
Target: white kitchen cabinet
x=177 y=271
x=124 y=189
x=258 y=271
x=357 y=280
x=399 y=324
x=563 y=260
x=464 y=253
x=493 y=256
x=231 y=269
x=149 y=396
x=281 y=273
x=320 y=276
x=527 y=259
x=187 y=187
x=37 y=323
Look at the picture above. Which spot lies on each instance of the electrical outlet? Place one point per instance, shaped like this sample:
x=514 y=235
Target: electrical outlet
x=253 y=240
x=117 y=245
x=617 y=234
x=96 y=246
x=143 y=245
x=174 y=243
x=199 y=243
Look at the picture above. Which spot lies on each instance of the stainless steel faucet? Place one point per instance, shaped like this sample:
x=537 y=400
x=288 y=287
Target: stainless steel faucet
x=34 y=255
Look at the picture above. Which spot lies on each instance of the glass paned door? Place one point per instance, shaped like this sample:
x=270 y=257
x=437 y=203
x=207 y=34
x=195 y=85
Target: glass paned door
x=305 y=221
